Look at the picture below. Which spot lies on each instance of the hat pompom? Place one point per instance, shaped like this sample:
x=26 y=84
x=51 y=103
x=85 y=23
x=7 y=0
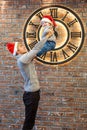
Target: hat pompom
x=12 y=47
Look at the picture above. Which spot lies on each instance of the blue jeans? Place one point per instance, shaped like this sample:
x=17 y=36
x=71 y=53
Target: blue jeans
x=49 y=45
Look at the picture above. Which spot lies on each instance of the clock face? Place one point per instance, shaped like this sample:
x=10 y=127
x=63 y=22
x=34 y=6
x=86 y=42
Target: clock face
x=70 y=33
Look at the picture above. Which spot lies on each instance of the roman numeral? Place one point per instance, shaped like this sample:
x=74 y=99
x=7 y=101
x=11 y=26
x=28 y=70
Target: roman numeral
x=31 y=45
x=72 y=22
x=65 y=54
x=31 y=23
x=65 y=16
x=54 y=12
x=53 y=57
x=31 y=35
x=75 y=34
x=72 y=47
x=43 y=56
x=40 y=15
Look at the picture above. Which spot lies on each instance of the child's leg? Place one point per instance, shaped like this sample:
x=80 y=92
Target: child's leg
x=49 y=45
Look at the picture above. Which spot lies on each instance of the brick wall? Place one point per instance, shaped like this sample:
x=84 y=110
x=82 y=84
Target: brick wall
x=63 y=104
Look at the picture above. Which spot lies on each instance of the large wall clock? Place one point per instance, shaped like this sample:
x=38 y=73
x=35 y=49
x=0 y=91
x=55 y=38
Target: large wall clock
x=70 y=33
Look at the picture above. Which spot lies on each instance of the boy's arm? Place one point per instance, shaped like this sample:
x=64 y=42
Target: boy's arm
x=29 y=56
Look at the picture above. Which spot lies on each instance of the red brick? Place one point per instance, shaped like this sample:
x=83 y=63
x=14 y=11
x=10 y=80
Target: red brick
x=63 y=101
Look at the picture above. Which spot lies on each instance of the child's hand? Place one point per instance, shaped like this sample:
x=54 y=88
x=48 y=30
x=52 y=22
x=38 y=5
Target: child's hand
x=50 y=33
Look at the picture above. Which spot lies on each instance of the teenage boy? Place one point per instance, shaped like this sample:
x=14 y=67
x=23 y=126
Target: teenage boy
x=26 y=66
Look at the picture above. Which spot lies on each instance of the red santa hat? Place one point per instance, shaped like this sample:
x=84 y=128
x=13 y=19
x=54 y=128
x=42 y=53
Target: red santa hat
x=12 y=47
x=49 y=19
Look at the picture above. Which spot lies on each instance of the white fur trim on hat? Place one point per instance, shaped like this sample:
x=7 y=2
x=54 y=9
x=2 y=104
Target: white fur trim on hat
x=15 y=48
x=45 y=20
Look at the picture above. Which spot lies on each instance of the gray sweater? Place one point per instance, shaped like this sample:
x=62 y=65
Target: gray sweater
x=46 y=29
x=27 y=67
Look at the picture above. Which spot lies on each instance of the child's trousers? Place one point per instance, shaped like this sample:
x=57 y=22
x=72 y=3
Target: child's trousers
x=49 y=45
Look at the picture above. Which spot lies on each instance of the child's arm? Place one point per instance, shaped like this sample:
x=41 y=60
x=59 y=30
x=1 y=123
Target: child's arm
x=46 y=29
